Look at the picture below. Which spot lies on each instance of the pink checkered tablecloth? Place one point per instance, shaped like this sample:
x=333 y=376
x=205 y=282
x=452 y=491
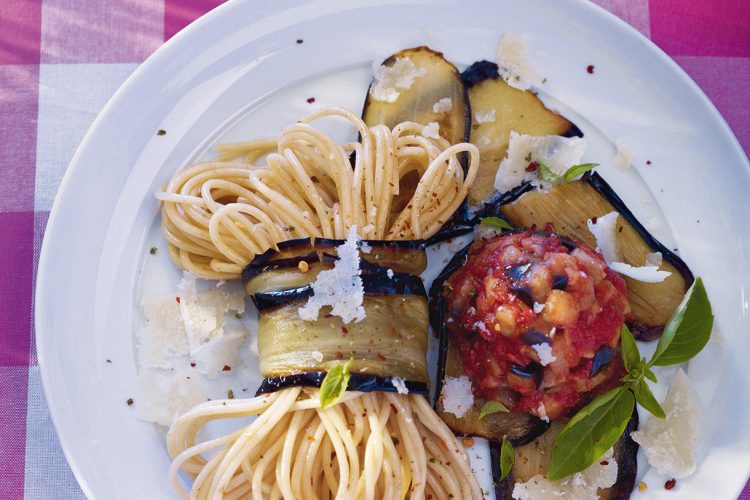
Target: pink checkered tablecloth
x=61 y=60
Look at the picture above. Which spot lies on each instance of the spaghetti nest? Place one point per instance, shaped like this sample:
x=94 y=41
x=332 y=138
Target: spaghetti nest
x=394 y=184
x=369 y=445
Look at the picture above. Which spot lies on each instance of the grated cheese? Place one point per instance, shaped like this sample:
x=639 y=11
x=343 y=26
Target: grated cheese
x=400 y=385
x=162 y=394
x=624 y=157
x=399 y=75
x=556 y=152
x=485 y=116
x=317 y=356
x=457 y=396
x=654 y=259
x=444 y=105
x=389 y=273
x=512 y=64
x=340 y=287
x=647 y=274
x=544 y=351
x=583 y=485
x=669 y=443
x=605 y=234
x=538 y=308
x=542 y=410
x=431 y=130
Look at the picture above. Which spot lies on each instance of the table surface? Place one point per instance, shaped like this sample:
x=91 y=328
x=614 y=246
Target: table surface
x=61 y=60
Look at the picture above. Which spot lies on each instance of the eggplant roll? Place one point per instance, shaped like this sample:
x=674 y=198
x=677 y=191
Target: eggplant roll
x=568 y=206
x=514 y=109
x=533 y=459
x=390 y=342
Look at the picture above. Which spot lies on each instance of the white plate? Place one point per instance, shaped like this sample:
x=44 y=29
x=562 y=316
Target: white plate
x=238 y=72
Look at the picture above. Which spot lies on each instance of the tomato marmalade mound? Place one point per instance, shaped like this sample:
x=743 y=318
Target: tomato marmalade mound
x=537 y=319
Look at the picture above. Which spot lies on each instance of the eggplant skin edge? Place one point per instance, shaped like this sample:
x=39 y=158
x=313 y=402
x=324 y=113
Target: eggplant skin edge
x=625 y=453
x=357 y=382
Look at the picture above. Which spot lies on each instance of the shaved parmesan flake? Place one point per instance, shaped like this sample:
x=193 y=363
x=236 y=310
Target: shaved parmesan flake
x=481 y=327
x=624 y=157
x=163 y=395
x=444 y=105
x=400 y=385
x=605 y=234
x=556 y=152
x=164 y=337
x=211 y=358
x=317 y=356
x=203 y=313
x=457 y=395
x=583 y=485
x=431 y=130
x=538 y=308
x=544 y=351
x=512 y=64
x=485 y=116
x=647 y=274
x=389 y=273
x=340 y=287
x=542 y=410
x=399 y=75
x=654 y=259
x=669 y=443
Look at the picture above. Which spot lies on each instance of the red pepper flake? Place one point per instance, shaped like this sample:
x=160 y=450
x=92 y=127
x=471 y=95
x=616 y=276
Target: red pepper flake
x=648 y=162
x=381 y=357
x=339 y=355
x=670 y=484
x=192 y=365
x=371 y=341
x=590 y=69
x=393 y=407
x=434 y=194
x=532 y=167
x=620 y=230
x=328 y=315
x=226 y=368
x=344 y=329
x=310 y=100
x=594 y=219
x=177 y=299
x=604 y=462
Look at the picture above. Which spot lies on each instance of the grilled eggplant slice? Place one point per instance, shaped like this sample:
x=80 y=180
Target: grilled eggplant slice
x=568 y=206
x=440 y=80
x=519 y=428
x=515 y=109
x=533 y=459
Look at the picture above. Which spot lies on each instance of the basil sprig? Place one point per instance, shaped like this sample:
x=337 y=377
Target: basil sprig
x=491 y=407
x=496 y=222
x=546 y=174
x=598 y=425
x=334 y=384
x=507 y=458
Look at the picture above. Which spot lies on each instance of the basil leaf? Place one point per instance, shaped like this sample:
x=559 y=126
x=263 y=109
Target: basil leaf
x=496 y=222
x=507 y=458
x=577 y=170
x=334 y=384
x=687 y=331
x=630 y=355
x=591 y=433
x=646 y=398
x=491 y=407
x=544 y=172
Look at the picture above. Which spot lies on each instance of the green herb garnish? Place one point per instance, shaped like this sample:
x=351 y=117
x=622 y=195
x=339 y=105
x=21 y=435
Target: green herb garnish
x=334 y=384
x=496 y=222
x=507 y=458
x=491 y=407
x=546 y=174
x=598 y=426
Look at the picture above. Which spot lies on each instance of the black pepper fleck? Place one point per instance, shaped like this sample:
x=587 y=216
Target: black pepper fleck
x=299 y=41
x=153 y=250
x=161 y=131
x=130 y=401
